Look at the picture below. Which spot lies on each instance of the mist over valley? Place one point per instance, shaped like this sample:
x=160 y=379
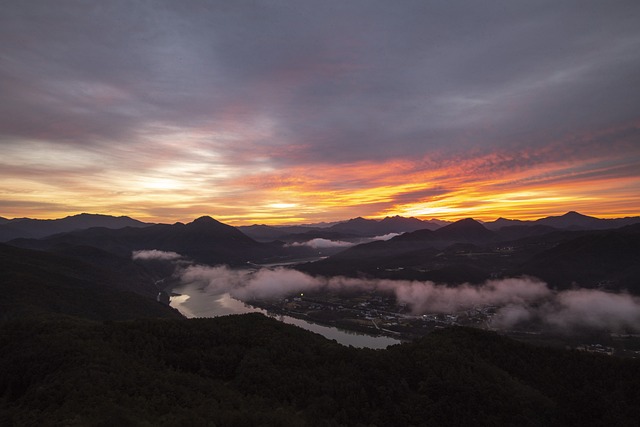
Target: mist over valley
x=558 y=274
x=409 y=296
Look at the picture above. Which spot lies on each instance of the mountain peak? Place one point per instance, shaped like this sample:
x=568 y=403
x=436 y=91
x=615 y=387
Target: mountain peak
x=574 y=214
x=464 y=230
x=206 y=219
x=464 y=223
x=358 y=219
x=571 y=219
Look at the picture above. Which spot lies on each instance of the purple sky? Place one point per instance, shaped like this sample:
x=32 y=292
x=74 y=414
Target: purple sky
x=294 y=111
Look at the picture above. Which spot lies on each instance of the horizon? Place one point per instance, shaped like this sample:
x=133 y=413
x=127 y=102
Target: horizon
x=301 y=112
x=186 y=221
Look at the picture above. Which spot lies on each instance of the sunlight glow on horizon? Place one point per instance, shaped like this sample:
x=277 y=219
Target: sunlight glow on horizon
x=315 y=194
x=382 y=109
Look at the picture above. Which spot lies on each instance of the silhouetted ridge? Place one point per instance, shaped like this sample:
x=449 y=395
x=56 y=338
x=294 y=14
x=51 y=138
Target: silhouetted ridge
x=38 y=228
x=205 y=220
x=465 y=230
x=204 y=240
x=399 y=224
x=573 y=219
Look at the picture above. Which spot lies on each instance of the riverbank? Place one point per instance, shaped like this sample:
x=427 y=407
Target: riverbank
x=196 y=302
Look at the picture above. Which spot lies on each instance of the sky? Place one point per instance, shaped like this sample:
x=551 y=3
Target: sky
x=304 y=111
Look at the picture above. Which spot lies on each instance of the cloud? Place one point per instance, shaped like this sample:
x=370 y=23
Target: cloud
x=585 y=308
x=280 y=282
x=215 y=280
x=427 y=297
x=387 y=236
x=319 y=243
x=155 y=254
x=518 y=300
x=206 y=93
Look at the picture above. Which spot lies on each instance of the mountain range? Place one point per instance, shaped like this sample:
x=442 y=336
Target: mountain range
x=361 y=227
x=568 y=250
x=37 y=228
x=204 y=240
x=352 y=228
x=467 y=251
x=85 y=342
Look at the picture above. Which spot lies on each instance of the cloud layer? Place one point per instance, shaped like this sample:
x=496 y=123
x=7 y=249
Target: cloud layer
x=518 y=300
x=300 y=111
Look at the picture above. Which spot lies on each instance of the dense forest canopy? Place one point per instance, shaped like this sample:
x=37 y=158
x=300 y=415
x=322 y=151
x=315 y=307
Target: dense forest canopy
x=252 y=370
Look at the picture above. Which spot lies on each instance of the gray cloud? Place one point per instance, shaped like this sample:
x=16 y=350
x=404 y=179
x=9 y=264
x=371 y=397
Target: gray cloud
x=365 y=79
x=319 y=243
x=518 y=300
x=206 y=91
x=155 y=254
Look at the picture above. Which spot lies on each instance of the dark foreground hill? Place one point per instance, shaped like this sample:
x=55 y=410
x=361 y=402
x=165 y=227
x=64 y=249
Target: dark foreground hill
x=251 y=370
x=35 y=283
x=66 y=358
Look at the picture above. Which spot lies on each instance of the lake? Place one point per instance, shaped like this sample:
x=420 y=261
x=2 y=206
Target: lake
x=195 y=301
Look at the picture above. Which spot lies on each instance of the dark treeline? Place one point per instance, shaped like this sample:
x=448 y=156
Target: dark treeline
x=251 y=370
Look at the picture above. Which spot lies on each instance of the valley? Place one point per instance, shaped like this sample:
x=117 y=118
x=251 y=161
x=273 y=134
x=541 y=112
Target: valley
x=322 y=328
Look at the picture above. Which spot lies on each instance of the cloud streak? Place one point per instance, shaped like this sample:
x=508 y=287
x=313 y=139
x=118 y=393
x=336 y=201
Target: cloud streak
x=361 y=108
x=320 y=243
x=155 y=254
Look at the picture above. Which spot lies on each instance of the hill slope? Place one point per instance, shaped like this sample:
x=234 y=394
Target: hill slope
x=252 y=370
x=35 y=283
x=466 y=251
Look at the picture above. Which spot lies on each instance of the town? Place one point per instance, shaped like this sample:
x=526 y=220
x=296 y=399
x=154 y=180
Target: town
x=375 y=313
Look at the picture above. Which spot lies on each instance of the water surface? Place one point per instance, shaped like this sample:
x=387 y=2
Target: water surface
x=195 y=301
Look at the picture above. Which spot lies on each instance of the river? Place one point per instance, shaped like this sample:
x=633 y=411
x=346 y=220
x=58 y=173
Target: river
x=195 y=301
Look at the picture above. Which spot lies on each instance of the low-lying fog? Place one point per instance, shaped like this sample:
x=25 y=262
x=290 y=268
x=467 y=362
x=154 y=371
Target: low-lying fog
x=519 y=300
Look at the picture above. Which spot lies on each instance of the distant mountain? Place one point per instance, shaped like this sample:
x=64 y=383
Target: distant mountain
x=355 y=227
x=573 y=220
x=399 y=224
x=410 y=255
x=466 y=251
x=504 y=222
x=608 y=259
x=569 y=221
x=371 y=227
x=438 y=222
x=38 y=228
x=3 y=220
x=204 y=240
x=267 y=233
x=463 y=231
x=358 y=226
x=263 y=233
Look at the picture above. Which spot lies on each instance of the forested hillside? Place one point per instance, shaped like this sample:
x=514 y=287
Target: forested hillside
x=251 y=370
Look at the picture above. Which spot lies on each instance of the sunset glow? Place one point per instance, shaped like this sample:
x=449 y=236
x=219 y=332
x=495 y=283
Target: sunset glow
x=280 y=114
